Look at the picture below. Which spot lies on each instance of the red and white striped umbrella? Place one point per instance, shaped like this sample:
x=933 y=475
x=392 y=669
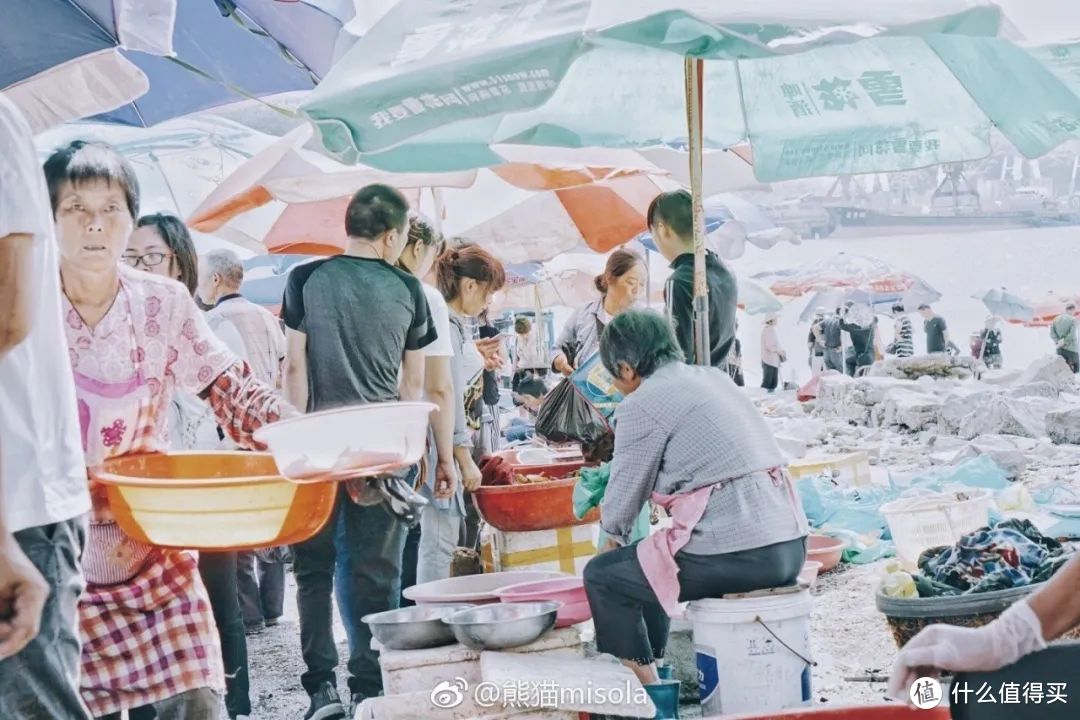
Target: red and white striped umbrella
x=293 y=201
x=843 y=270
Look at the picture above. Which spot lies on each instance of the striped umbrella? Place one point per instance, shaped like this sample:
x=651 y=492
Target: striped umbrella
x=293 y=201
x=843 y=270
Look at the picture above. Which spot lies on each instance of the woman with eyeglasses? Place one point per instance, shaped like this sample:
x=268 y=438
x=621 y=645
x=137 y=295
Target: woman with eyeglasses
x=134 y=340
x=162 y=245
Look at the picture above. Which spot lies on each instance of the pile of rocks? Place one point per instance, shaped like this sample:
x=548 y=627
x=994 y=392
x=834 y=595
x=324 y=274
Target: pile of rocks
x=1035 y=403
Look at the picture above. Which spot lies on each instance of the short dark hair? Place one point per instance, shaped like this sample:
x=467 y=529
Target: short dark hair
x=176 y=237
x=468 y=261
x=618 y=264
x=924 y=306
x=676 y=210
x=81 y=162
x=375 y=210
x=642 y=339
x=898 y=308
x=522 y=325
x=1070 y=306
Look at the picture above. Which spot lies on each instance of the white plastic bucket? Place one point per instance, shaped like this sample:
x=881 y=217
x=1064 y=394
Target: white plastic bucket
x=753 y=653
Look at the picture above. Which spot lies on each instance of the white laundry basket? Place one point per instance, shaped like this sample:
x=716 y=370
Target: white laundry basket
x=919 y=523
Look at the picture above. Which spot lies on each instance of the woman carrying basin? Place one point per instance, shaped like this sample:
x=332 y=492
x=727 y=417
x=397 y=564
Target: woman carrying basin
x=134 y=340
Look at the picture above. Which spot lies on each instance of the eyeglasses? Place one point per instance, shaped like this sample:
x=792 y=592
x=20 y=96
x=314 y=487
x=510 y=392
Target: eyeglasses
x=148 y=260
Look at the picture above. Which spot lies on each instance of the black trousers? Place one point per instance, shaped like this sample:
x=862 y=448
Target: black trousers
x=629 y=620
x=261 y=585
x=770 y=376
x=218 y=571
x=1072 y=358
x=375 y=539
x=409 y=559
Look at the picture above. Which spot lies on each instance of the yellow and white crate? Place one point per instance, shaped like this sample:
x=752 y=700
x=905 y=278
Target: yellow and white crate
x=562 y=550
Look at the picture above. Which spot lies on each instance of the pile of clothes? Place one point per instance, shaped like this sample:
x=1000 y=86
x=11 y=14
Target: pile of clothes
x=1009 y=554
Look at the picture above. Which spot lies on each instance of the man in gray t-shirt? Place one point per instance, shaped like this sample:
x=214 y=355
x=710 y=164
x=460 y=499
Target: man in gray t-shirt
x=360 y=315
x=354 y=322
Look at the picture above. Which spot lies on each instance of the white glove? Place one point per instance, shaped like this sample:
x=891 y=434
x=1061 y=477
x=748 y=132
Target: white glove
x=1016 y=633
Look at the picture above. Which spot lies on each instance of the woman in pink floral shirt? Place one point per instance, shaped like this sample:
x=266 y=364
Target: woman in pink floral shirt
x=134 y=339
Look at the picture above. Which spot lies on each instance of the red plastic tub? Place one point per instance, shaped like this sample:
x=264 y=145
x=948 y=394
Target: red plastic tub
x=533 y=506
x=891 y=711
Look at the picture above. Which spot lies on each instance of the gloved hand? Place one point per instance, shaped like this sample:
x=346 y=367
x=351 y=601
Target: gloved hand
x=1016 y=633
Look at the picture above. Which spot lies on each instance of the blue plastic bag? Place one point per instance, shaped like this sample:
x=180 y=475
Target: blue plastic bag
x=597 y=385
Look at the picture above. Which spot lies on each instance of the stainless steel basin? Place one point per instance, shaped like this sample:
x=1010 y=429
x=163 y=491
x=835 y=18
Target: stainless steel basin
x=413 y=628
x=497 y=627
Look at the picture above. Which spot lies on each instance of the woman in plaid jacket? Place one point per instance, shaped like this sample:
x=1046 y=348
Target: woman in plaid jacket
x=134 y=339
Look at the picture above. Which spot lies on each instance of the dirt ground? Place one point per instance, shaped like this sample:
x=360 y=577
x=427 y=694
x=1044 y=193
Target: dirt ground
x=850 y=639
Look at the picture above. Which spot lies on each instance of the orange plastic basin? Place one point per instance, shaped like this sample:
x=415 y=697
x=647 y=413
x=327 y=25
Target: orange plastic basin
x=213 y=501
x=535 y=506
x=893 y=711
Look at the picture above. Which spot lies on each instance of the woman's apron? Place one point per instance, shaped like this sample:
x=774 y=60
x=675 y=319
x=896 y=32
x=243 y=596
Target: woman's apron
x=147 y=627
x=656 y=553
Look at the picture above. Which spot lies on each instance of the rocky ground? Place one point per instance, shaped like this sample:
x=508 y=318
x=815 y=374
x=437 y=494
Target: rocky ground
x=1028 y=422
x=850 y=640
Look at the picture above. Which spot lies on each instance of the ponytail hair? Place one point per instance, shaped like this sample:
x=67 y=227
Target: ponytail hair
x=467 y=261
x=619 y=263
x=422 y=232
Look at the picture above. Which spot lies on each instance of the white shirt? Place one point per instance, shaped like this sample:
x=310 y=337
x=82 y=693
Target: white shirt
x=42 y=469
x=253 y=333
x=440 y=317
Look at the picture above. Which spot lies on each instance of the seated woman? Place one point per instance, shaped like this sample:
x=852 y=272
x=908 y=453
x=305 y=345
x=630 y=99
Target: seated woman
x=689 y=439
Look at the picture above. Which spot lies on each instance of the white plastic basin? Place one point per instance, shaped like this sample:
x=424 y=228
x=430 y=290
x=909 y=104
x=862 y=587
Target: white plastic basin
x=349 y=442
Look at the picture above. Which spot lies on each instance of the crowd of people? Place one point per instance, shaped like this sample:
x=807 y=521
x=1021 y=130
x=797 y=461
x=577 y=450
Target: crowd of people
x=117 y=339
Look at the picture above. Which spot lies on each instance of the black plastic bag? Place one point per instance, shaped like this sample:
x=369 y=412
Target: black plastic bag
x=566 y=416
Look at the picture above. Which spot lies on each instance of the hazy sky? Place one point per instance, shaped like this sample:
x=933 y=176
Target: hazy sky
x=1045 y=21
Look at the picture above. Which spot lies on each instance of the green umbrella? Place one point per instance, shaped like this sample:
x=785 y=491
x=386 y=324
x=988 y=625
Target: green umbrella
x=824 y=88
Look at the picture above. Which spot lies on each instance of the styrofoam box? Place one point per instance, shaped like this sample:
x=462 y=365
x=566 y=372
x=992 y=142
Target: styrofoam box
x=407 y=671
x=562 y=550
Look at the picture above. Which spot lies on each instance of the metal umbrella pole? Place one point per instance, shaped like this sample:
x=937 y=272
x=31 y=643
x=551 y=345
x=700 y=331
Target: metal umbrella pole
x=694 y=71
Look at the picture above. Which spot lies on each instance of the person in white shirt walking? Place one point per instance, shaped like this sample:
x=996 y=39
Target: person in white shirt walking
x=255 y=335
x=43 y=486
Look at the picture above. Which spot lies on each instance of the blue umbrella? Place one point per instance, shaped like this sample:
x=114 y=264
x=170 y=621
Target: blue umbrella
x=212 y=53
x=265 y=277
x=724 y=208
x=221 y=57
x=1006 y=305
x=59 y=58
x=882 y=303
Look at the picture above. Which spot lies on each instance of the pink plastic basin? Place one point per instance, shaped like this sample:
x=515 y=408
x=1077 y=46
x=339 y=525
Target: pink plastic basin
x=809 y=572
x=474 y=589
x=569 y=591
x=825 y=550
